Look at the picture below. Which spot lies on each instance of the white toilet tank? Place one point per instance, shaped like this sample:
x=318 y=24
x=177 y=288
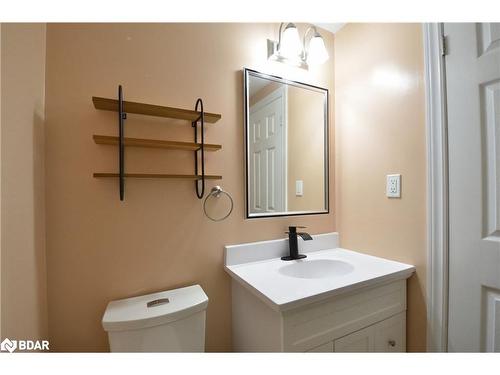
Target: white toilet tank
x=170 y=321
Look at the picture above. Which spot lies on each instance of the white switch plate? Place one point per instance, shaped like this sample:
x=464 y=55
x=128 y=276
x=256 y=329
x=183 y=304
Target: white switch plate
x=393 y=186
x=299 y=188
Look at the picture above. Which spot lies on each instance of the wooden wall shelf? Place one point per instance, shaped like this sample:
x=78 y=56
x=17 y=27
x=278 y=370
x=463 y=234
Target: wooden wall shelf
x=152 y=110
x=154 y=143
x=159 y=175
x=197 y=118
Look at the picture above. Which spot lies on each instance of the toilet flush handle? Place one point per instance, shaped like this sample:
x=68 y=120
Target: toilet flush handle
x=158 y=302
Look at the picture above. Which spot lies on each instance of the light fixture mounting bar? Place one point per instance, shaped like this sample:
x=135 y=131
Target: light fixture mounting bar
x=273 y=54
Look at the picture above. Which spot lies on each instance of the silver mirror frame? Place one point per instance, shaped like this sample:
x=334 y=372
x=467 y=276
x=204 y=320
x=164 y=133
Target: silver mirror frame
x=250 y=72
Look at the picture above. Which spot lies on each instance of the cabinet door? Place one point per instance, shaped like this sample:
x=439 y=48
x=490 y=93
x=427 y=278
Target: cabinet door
x=362 y=341
x=390 y=334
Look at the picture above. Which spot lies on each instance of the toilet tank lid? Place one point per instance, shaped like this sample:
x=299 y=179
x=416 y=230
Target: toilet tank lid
x=154 y=309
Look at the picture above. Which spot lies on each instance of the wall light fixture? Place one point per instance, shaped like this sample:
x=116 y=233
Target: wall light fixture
x=290 y=50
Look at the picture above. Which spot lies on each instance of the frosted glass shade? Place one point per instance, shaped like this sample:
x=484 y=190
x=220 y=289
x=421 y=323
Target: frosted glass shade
x=317 y=53
x=290 y=46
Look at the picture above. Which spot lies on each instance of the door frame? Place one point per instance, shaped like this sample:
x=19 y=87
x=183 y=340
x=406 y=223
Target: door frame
x=437 y=187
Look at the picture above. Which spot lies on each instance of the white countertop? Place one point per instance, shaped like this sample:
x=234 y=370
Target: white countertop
x=272 y=283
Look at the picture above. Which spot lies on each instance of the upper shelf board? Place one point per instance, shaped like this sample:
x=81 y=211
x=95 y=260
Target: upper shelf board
x=152 y=110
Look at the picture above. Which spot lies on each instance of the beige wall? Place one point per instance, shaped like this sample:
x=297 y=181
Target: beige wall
x=100 y=249
x=380 y=129
x=23 y=276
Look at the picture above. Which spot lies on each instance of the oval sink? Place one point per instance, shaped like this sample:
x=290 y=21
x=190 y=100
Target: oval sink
x=316 y=269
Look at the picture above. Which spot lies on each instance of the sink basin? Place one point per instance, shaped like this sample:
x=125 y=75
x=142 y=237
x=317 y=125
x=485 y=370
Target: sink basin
x=316 y=268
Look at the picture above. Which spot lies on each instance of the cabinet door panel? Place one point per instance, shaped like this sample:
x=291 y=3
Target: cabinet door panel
x=362 y=341
x=390 y=334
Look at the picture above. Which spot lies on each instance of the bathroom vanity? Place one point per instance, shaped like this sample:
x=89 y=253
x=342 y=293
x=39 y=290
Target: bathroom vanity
x=335 y=300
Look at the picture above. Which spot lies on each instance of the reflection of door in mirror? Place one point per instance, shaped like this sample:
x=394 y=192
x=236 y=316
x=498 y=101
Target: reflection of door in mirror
x=267 y=146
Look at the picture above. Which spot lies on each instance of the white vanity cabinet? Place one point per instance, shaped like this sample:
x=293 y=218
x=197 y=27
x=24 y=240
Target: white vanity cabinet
x=369 y=320
x=335 y=300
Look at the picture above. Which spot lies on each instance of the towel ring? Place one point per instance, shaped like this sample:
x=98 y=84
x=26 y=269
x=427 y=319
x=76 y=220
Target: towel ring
x=216 y=193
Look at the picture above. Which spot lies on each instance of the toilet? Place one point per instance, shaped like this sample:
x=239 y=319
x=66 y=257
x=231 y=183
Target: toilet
x=169 y=321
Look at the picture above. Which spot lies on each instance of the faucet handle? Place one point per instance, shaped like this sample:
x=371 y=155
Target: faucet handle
x=293 y=228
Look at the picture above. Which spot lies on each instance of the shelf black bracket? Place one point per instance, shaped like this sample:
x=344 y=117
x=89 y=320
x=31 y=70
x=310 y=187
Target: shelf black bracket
x=122 y=116
x=201 y=120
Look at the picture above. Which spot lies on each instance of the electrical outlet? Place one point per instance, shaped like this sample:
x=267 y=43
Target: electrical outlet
x=393 y=186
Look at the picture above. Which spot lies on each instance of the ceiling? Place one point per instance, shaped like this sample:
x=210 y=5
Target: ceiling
x=256 y=84
x=332 y=27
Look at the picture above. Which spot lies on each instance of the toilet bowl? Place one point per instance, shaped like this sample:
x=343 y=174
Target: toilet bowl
x=169 y=321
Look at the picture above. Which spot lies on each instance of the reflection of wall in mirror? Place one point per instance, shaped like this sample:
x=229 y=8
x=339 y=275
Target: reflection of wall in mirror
x=306 y=140
x=305 y=149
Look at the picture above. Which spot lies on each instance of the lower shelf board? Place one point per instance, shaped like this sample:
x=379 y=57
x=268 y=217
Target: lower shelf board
x=159 y=175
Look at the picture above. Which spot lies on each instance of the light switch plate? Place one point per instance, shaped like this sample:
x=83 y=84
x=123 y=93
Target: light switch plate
x=299 y=188
x=393 y=186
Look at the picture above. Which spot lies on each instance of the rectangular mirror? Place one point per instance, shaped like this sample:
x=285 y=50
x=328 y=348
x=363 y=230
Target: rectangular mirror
x=286 y=139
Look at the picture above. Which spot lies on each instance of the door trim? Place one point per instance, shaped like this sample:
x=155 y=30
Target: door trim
x=437 y=188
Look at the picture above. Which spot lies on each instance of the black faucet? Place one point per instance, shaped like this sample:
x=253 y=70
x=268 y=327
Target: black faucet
x=292 y=241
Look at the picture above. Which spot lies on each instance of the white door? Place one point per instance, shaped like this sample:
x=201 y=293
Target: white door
x=473 y=92
x=266 y=154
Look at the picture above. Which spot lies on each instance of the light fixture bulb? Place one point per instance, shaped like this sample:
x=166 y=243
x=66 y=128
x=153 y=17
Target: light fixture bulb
x=290 y=46
x=317 y=53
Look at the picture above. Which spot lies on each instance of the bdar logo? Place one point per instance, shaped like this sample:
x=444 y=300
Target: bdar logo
x=8 y=345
